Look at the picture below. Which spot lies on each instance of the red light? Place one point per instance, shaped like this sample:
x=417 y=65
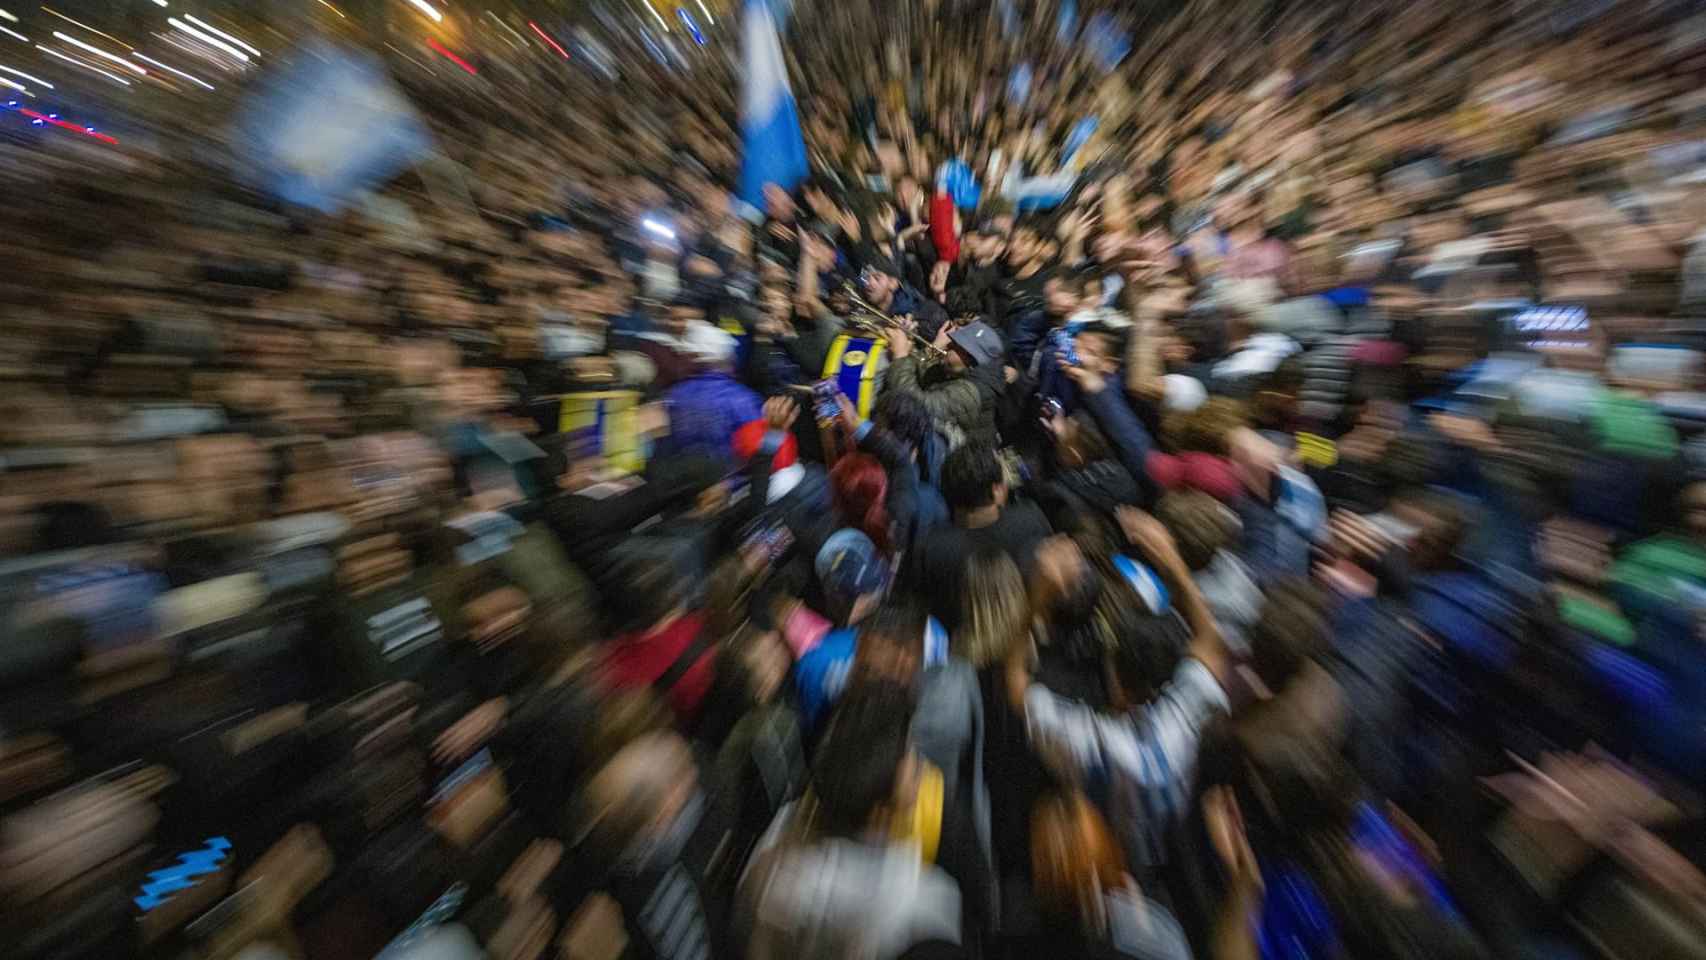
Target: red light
x=453 y=58
x=542 y=35
x=69 y=126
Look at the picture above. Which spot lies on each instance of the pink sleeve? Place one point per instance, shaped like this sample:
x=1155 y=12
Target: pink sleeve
x=803 y=630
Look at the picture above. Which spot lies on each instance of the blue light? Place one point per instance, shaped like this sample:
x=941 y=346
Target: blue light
x=88 y=129
x=36 y=122
x=11 y=103
x=53 y=116
x=693 y=28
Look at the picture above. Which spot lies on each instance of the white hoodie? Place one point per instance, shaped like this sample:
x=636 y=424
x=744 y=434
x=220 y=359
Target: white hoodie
x=845 y=900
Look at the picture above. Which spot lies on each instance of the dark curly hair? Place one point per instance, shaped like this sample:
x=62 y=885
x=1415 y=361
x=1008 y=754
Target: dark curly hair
x=1205 y=429
x=969 y=476
x=903 y=414
x=1200 y=525
x=1291 y=632
x=964 y=302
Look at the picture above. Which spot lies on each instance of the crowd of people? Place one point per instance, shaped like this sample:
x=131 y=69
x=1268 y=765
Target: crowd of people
x=1240 y=497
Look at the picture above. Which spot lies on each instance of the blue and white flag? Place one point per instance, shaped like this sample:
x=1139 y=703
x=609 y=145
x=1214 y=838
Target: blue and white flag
x=1080 y=134
x=327 y=126
x=960 y=182
x=1041 y=193
x=773 y=151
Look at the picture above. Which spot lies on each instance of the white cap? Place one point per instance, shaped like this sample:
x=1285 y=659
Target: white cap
x=1182 y=393
x=708 y=344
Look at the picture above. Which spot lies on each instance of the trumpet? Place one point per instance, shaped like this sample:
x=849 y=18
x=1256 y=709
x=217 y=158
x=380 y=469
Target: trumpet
x=873 y=322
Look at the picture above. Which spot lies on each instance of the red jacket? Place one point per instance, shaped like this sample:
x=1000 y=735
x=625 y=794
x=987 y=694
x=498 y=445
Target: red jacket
x=942 y=227
x=640 y=659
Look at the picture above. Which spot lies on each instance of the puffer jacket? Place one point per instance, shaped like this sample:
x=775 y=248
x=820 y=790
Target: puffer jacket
x=963 y=406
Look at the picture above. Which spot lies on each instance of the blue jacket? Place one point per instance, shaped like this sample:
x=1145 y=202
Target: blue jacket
x=1131 y=442
x=1025 y=335
x=705 y=410
x=1279 y=534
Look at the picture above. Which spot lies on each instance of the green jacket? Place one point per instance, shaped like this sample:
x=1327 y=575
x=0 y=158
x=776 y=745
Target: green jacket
x=963 y=406
x=1653 y=570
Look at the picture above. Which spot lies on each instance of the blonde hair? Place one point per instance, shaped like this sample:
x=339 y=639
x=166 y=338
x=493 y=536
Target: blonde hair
x=994 y=610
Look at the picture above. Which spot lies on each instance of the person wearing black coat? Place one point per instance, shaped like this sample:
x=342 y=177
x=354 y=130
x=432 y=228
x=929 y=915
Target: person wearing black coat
x=1102 y=452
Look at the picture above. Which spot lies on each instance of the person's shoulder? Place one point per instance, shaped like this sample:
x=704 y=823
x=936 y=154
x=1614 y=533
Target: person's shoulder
x=1028 y=516
x=942 y=539
x=1141 y=928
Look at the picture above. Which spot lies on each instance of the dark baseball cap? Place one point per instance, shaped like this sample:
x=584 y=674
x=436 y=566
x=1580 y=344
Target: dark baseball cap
x=978 y=342
x=848 y=566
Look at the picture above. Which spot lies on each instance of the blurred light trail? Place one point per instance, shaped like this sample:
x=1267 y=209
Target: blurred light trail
x=14 y=33
x=14 y=85
x=196 y=50
x=19 y=73
x=707 y=10
x=411 y=59
x=79 y=23
x=692 y=27
x=170 y=69
x=211 y=41
x=328 y=6
x=54 y=119
x=499 y=21
x=6 y=16
x=221 y=33
x=97 y=51
x=453 y=58
x=427 y=9
x=87 y=66
x=560 y=51
x=654 y=11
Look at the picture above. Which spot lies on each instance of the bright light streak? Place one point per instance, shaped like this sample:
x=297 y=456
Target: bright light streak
x=542 y=35
x=97 y=51
x=211 y=41
x=87 y=66
x=169 y=68
x=14 y=85
x=160 y=2
x=221 y=34
x=6 y=16
x=427 y=9
x=712 y=20
x=196 y=50
x=499 y=21
x=658 y=228
x=79 y=23
x=20 y=73
x=14 y=33
x=335 y=10
x=453 y=58
x=654 y=12
x=411 y=59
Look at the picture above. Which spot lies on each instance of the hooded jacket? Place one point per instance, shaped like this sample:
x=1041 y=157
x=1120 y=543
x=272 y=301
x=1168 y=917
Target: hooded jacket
x=963 y=404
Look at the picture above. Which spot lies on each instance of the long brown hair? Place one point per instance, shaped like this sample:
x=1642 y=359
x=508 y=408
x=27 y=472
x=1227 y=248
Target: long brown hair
x=995 y=610
x=1075 y=860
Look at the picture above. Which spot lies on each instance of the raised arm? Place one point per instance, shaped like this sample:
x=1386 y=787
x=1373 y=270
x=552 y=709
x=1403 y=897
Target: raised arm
x=1155 y=746
x=1130 y=439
